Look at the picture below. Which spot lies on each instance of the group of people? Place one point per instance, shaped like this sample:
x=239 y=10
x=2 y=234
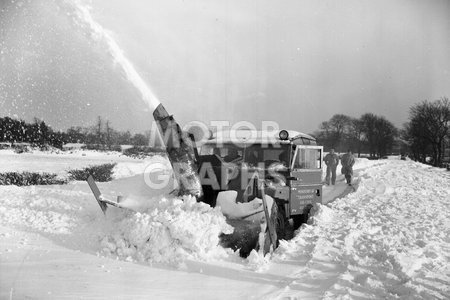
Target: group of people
x=332 y=161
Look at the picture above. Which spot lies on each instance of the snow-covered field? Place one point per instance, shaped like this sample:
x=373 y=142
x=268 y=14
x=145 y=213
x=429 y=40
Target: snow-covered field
x=59 y=162
x=390 y=239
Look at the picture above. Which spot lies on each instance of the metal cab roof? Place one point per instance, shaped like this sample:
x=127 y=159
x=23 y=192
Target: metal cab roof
x=259 y=137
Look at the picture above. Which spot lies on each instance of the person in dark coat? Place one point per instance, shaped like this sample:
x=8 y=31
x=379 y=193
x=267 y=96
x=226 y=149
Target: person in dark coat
x=331 y=160
x=347 y=162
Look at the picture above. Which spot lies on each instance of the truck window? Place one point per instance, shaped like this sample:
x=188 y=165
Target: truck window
x=277 y=154
x=308 y=159
x=258 y=153
x=228 y=152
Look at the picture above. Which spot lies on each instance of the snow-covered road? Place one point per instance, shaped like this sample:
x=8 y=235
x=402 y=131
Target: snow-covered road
x=389 y=239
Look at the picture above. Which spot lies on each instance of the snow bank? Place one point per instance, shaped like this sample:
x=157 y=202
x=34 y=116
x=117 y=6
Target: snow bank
x=169 y=231
x=389 y=239
x=320 y=214
x=31 y=208
x=174 y=230
x=258 y=262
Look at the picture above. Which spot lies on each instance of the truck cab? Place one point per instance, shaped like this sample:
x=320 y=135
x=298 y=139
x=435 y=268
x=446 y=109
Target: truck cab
x=290 y=163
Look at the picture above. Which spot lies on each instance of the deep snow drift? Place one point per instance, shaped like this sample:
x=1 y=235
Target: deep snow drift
x=389 y=239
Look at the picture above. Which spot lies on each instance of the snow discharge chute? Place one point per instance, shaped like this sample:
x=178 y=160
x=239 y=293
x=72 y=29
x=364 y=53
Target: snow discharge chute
x=180 y=150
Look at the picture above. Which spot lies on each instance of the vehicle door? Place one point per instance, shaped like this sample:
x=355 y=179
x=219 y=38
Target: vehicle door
x=305 y=178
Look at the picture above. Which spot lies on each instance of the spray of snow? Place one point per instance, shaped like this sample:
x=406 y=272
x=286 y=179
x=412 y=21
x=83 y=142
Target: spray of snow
x=85 y=19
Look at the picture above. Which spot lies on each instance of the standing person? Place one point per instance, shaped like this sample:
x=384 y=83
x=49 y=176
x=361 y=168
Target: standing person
x=331 y=160
x=347 y=162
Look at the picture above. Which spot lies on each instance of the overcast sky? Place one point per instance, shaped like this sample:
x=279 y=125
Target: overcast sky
x=294 y=62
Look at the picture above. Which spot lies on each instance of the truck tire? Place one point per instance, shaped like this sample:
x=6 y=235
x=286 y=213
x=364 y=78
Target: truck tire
x=303 y=218
x=299 y=220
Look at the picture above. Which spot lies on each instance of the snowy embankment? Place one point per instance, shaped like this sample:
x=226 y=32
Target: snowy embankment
x=389 y=239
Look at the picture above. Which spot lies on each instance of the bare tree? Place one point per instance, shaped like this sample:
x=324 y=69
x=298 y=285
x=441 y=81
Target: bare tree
x=418 y=145
x=76 y=135
x=356 y=136
x=333 y=133
x=339 y=127
x=98 y=131
x=368 y=122
x=385 y=133
x=108 y=134
x=323 y=135
x=379 y=134
x=430 y=124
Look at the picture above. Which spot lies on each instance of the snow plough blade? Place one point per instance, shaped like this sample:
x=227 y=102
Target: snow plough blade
x=102 y=201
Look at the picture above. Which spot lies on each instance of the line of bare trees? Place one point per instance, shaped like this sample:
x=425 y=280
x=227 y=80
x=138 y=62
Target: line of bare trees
x=101 y=133
x=426 y=135
x=39 y=133
x=369 y=134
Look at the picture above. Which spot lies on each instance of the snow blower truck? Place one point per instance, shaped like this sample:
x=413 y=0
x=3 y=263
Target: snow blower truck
x=261 y=180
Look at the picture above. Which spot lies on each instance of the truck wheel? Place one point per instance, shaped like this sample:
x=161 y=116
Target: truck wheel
x=303 y=218
x=298 y=221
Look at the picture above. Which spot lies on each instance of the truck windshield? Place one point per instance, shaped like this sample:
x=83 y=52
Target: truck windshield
x=228 y=152
x=257 y=153
x=252 y=154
